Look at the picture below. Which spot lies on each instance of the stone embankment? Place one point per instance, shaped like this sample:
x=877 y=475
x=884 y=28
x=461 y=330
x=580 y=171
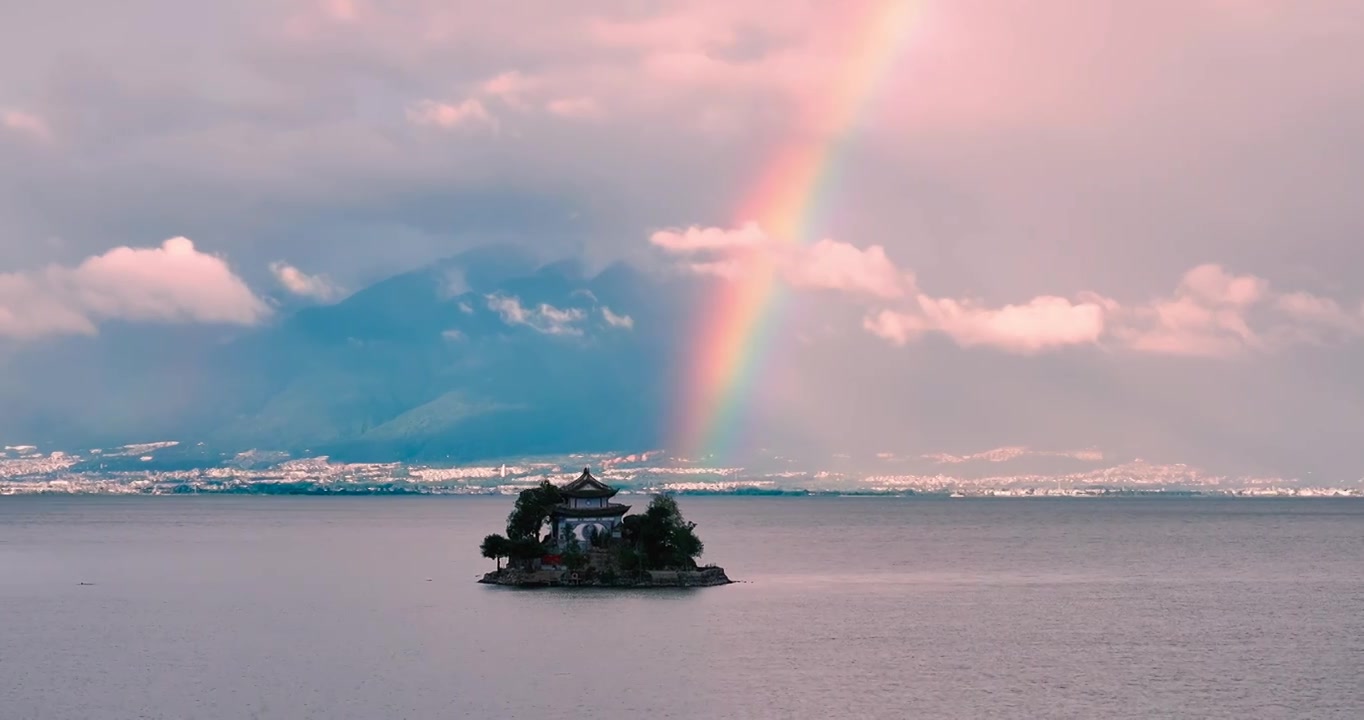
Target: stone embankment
x=702 y=577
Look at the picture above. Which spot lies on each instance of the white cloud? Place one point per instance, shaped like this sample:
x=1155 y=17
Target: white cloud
x=709 y=239
x=543 y=318
x=1040 y=324
x=317 y=287
x=619 y=321
x=174 y=283
x=824 y=265
x=469 y=114
x=1043 y=323
x=452 y=335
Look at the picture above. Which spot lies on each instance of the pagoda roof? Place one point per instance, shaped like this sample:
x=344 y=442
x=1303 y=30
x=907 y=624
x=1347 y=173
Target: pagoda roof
x=587 y=486
x=610 y=510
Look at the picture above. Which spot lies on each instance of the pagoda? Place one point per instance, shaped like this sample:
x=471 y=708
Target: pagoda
x=585 y=513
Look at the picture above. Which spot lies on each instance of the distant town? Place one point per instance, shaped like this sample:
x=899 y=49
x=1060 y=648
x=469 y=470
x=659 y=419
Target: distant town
x=164 y=468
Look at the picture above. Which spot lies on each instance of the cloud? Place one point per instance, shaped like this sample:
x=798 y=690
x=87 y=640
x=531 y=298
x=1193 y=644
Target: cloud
x=317 y=287
x=1215 y=313
x=510 y=84
x=824 y=265
x=514 y=90
x=619 y=321
x=832 y=265
x=544 y=318
x=1043 y=323
x=1010 y=151
x=1207 y=315
x=1211 y=313
x=581 y=108
x=708 y=239
x=468 y=114
x=174 y=283
x=25 y=123
x=343 y=11
x=1319 y=313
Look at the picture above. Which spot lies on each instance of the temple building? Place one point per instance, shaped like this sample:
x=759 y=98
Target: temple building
x=586 y=512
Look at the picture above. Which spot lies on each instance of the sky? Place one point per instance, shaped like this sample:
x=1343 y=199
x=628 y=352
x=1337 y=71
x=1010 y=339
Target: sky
x=1145 y=212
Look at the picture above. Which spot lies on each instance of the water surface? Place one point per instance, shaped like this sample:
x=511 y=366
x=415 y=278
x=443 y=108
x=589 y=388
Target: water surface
x=337 y=608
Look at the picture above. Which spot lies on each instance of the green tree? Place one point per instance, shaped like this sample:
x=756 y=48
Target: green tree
x=628 y=559
x=661 y=537
x=533 y=507
x=574 y=557
x=526 y=549
x=495 y=547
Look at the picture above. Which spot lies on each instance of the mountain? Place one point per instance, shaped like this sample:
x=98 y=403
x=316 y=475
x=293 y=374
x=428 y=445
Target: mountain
x=478 y=355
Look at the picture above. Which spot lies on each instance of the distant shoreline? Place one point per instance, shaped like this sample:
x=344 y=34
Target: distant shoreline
x=320 y=491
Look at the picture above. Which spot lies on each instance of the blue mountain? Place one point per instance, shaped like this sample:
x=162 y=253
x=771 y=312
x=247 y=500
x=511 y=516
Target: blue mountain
x=480 y=355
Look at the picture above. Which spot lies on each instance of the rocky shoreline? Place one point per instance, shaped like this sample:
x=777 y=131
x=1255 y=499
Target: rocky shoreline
x=702 y=577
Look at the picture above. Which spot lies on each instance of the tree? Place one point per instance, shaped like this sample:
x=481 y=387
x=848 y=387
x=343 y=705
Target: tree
x=533 y=507
x=662 y=537
x=526 y=549
x=495 y=547
x=574 y=557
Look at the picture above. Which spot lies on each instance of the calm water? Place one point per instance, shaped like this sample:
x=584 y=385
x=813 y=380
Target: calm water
x=854 y=608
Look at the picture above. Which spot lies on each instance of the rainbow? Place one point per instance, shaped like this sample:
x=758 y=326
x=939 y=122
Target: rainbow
x=787 y=203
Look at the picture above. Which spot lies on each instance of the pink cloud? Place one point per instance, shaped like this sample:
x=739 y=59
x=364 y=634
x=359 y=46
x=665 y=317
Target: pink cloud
x=317 y=287
x=1184 y=326
x=576 y=107
x=897 y=328
x=510 y=87
x=29 y=308
x=1211 y=313
x=1212 y=283
x=1208 y=315
x=833 y=265
x=25 y=123
x=1214 y=313
x=340 y=10
x=825 y=265
x=469 y=113
x=174 y=283
x=1322 y=312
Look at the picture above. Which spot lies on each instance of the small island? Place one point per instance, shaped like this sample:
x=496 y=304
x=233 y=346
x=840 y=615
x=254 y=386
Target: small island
x=593 y=543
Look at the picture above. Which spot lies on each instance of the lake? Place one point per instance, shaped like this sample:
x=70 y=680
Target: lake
x=367 y=607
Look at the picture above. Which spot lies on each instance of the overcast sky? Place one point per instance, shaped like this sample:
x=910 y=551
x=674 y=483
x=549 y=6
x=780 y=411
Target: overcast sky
x=1154 y=204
